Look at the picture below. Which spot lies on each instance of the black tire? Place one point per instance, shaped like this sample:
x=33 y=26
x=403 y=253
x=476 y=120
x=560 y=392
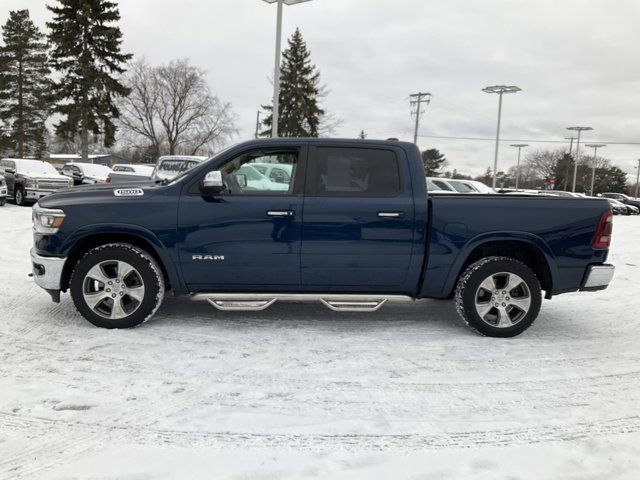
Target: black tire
x=469 y=289
x=149 y=272
x=3 y=200
x=19 y=197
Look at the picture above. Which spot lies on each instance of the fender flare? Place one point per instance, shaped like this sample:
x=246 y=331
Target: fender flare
x=491 y=237
x=135 y=231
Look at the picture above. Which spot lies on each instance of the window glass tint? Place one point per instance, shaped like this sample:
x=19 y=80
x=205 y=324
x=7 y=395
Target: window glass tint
x=354 y=172
x=462 y=187
x=442 y=185
x=259 y=172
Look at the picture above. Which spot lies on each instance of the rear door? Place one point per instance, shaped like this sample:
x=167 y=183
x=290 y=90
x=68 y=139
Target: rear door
x=358 y=223
x=248 y=236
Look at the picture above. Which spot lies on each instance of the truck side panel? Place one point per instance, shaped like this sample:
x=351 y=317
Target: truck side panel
x=560 y=229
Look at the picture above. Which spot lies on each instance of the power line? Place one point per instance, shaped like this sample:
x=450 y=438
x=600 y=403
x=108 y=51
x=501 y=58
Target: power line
x=519 y=140
x=416 y=99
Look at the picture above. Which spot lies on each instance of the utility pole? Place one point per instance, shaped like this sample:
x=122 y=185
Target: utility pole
x=257 y=124
x=637 y=177
x=417 y=99
x=500 y=90
x=575 y=163
x=520 y=147
x=593 y=171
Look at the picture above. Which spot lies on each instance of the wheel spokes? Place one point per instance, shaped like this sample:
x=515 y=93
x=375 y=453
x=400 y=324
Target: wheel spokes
x=504 y=320
x=96 y=273
x=93 y=299
x=513 y=281
x=137 y=293
x=117 y=310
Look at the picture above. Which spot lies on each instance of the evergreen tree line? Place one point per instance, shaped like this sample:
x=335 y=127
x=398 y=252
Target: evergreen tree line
x=76 y=75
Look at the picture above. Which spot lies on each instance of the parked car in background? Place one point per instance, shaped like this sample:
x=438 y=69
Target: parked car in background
x=29 y=180
x=170 y=166
x=621 y=197
x=3 y=191
x=460 y=186
x=278 y=173
x=125 y=173
x=618 y=208
x=86 y=173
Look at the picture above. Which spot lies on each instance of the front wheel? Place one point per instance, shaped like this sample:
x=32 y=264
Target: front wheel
x=117 y=286
x=498 y=296
x=20 y=197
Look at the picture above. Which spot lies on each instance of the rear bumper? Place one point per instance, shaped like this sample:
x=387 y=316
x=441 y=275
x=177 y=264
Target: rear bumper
x=47 y=271
x=597 y=277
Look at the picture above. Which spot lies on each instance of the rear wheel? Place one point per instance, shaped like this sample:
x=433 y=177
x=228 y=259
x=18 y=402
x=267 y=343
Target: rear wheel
x=498 y=296
x=117 y=286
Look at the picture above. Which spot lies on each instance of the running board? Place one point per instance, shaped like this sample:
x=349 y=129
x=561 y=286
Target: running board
x=336 y=302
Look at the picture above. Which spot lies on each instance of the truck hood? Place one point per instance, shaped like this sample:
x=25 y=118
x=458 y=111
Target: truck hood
x=100 y=193
x=43 y=176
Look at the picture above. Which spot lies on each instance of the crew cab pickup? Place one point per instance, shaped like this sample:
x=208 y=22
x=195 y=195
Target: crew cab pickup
x=29 y=180
x=352 y=226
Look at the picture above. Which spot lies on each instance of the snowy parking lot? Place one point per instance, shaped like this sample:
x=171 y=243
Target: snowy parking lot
x=298 y=391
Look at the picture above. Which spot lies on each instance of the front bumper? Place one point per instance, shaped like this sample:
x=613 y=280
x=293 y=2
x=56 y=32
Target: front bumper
x=37 y=194
x=47 y=271
x=597 y=277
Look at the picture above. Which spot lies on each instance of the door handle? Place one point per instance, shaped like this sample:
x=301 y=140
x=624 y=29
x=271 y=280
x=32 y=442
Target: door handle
x=281 y=213
x=390 y=214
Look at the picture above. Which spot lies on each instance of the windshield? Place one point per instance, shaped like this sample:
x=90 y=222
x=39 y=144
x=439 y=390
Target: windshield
x=176 y=166
x=36 y=166
x=91 y=169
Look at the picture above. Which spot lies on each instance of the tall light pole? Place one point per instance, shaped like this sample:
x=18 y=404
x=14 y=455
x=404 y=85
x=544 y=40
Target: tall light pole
x=520 y=146
x=500 y=90
x=276 y=75
x=417 y=99
x=575 y=162
x=595 y=147
x=637 y=177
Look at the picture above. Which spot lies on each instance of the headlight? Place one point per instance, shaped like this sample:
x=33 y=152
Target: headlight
x=47 y=220
x=29 y=182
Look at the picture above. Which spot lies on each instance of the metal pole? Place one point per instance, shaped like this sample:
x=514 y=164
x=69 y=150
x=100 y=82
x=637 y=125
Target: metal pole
x=593 y=171
x=518 y=169
x=495 y=157
x=415 y=131
x=575 y=163
x=637 y=177
x=276 y=77
x=257 y=124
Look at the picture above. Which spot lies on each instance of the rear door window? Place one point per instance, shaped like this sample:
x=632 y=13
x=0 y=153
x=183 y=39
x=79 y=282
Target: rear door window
x=360 y=172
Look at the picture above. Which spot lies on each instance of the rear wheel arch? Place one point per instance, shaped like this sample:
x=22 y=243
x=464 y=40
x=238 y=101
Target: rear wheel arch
x=524 y=251
x=89 y=242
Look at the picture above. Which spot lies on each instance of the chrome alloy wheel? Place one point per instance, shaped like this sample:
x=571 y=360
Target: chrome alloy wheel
x=113 y=289
x=502 y=299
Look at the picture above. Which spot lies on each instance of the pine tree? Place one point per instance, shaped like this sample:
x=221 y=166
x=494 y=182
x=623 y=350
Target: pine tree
x=299 y=111
x=86 y=51
x=25 y=100
x=433 y=162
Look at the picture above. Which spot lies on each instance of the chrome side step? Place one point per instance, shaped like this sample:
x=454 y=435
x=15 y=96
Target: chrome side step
x=336 y=302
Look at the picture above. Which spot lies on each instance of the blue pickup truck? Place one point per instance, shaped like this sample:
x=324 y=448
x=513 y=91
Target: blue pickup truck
x=346 y=222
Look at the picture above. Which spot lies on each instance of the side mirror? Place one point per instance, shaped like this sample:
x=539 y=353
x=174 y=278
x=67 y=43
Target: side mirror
x=9 y=170
x=212 y=183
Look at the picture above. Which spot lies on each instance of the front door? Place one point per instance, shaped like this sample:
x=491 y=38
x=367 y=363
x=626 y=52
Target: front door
x=248 y=236
x=359 y=225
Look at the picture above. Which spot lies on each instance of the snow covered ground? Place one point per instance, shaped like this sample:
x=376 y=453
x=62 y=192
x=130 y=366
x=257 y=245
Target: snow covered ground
x=298 y=391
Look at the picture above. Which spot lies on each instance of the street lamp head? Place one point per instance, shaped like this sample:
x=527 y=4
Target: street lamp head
x=519 y=145
x=579 y=129
x=596 y=145
x=501 y=89
x=287 y=2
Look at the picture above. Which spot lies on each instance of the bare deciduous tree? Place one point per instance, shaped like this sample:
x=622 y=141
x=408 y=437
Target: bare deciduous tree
x=172 y=110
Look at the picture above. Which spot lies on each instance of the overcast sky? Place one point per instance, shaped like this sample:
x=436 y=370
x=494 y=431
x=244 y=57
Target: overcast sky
x=577 y=62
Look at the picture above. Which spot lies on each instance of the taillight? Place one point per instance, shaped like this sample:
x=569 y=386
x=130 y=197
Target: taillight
x=602 y=238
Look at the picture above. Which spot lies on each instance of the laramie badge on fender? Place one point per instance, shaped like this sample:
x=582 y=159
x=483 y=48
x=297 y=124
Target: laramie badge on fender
x=128 y=192
x=207 y=257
